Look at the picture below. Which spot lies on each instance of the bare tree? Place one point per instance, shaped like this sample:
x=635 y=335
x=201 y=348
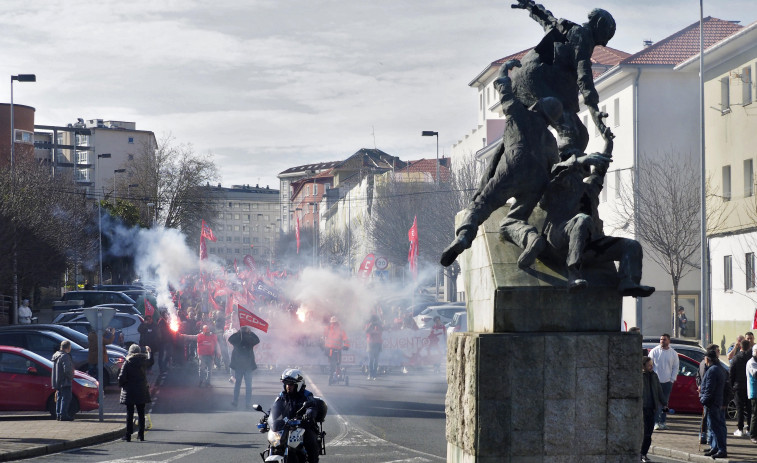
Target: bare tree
x=663 y=207
x=334 y=249
x=173 y=179
x=47 y=223
x=398 y=201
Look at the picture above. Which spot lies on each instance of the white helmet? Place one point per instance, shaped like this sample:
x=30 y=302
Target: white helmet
x=293 y=376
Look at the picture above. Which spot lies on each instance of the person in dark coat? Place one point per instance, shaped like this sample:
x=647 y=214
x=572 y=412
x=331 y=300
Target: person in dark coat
x=135 y=391
x=62 y=381
x=652 y=398
x=737 y=382
x=713 y=387
x=243 y=363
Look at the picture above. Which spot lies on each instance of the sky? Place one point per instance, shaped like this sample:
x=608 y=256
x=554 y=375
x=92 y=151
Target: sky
x=264 y=85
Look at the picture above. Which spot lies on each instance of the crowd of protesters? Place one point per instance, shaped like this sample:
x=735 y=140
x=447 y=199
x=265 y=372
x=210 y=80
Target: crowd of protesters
x=717 y=388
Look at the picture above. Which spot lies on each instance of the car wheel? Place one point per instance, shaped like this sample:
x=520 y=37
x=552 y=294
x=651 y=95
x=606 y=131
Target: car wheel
x=51 y=406
x=730 y=412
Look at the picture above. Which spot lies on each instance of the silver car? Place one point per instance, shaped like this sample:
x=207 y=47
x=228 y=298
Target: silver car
x=445 y=312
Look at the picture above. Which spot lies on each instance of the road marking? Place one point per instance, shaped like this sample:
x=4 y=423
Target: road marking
x=185 y=452
x=361 y=437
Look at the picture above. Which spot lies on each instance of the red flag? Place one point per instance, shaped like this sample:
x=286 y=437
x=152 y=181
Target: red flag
x=203 y=249
x=213 y=303
x=367 y=266
x=247 y=318
x=297 y=234
x=754 y=323
x=149 y=309
x=206 y=232
x=412 y=255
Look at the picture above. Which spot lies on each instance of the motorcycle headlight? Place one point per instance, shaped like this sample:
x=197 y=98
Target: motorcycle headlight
x=274 y=438
x=86 y=382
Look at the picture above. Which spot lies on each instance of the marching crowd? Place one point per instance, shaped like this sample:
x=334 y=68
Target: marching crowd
x=717 y=387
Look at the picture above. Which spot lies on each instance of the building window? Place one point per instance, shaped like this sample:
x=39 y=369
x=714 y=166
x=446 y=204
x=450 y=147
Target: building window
x=131 y=140
x=618 y=184
x=315 y=189
x=725 y=98
x=616 y=113
x=727 y=273
x=236 y=227
x=228 y=239
x=24 y=136
x=748 y=178
x=750 y=271
x=236 y=239
x=726 y=183
x=746 y=86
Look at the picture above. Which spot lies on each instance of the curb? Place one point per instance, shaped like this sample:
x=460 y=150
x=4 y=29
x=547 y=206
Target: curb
x=685 y=456
x=61 y=446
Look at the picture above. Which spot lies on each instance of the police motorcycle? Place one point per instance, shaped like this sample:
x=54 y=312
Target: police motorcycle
x=286 y=436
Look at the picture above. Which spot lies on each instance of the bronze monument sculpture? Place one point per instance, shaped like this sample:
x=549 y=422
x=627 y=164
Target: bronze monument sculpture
x=530 y=165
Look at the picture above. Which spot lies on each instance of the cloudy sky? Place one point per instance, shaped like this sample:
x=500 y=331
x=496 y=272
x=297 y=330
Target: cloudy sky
x=263 y=85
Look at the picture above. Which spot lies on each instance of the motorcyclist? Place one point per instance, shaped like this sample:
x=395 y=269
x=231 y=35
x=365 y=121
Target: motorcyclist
x=334 y=341
x=292 y=400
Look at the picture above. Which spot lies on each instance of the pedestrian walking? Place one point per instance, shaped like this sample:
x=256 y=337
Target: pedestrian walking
x=243 y=363
x=62 y=379
x=374 y=333
x=24 y=313
x=751 y=374
x=135 y=391
x=666 y=366
x=206 y=350
x=651 y=401
x=166 y=344
x=713 y=389
x=737 y=381
x=704 y=431
x=149 y=335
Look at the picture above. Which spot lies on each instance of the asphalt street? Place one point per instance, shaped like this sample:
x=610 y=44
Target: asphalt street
x=397 y=418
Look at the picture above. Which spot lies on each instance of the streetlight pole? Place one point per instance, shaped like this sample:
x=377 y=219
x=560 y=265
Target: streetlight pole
x=99 y=214
x=431 y=133
x=116 y=171
x=20 y=78
x=704 y=312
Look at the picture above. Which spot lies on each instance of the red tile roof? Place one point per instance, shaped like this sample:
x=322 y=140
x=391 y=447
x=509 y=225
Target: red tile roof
x=602 y=55
x=428 y=166
x=685 y=43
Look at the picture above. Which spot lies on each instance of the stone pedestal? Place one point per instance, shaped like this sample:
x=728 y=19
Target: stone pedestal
x=542 y=375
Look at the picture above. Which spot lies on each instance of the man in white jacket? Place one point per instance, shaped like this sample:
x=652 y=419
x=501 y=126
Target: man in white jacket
x=666 y=366
x=751 y=390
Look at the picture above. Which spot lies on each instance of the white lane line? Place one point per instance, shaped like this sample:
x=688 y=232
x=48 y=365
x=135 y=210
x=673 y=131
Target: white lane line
x=180 y=453
x=369 y=439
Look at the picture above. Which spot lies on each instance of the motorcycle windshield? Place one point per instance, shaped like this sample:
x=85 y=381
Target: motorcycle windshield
x=276 y=418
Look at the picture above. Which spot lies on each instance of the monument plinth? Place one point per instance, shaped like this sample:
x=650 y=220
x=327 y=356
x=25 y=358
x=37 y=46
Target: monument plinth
x=543 y=375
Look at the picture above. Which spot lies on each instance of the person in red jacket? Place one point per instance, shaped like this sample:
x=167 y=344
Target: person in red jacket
x=206 y=351
x=334 y=341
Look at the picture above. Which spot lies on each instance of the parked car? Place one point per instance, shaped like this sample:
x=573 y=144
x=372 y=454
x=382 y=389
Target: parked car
x=25 y=382
x=78 y=336
x=46 y=343
x=84 y=327
x=691 y=349
x=120 y=288
x=426 y=318
x=93 y=298
x=126 y=323
x=684 y=397
x=459 y=323
x=69 y=314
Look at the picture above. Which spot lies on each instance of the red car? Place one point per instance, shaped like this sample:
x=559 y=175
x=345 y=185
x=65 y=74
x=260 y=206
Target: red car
x=25 y=379
x=684 y=398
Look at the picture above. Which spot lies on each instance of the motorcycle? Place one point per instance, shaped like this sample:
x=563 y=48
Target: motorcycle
x=286 y=436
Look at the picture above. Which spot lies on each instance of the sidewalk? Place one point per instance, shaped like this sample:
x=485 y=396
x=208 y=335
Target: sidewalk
x=681 y=441
x=33 y=434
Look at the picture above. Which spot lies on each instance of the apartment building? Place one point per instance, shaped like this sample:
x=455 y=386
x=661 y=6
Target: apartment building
x=247 y=222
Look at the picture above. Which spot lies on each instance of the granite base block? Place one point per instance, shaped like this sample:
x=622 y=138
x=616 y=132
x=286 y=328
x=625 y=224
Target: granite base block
x=518 y=397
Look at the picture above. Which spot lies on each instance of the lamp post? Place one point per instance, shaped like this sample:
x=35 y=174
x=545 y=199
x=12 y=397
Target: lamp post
x=20 y=78
x=116 y=171
x=99 y=213
x=430 y=133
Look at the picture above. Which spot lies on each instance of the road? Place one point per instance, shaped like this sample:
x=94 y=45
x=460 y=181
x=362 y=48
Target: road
x=397 y=418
